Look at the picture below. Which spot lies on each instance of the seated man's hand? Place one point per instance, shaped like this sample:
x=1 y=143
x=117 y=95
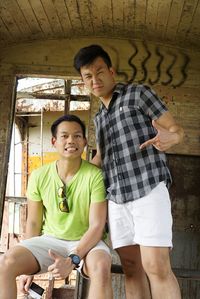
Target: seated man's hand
x=62 y=267
x=24 y=283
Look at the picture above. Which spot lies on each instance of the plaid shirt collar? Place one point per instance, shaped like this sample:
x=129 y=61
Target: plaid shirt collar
x=119 y=88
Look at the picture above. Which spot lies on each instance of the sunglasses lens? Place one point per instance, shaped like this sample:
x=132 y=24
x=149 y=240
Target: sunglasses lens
x=61 y=192
x=64 y=206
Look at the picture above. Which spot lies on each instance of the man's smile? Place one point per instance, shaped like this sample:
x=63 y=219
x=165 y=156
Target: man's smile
x=71 y=149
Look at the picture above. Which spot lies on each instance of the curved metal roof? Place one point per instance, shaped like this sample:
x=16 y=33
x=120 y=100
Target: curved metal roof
x=173 y=22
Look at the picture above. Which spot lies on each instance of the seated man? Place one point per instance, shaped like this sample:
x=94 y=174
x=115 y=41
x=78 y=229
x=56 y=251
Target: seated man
x=66 y=217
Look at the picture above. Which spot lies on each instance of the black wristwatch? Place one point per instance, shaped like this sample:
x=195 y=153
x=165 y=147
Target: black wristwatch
x=75 y=259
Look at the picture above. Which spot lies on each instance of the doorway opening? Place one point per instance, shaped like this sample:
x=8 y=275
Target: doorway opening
x=39 y=101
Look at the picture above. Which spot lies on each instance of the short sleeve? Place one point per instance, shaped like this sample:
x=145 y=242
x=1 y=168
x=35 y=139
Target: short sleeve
x=98 y=193
x=33 y=192
x=150 y=103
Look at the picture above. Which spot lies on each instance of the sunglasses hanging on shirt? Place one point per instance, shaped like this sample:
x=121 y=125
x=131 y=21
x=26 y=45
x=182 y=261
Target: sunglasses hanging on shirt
x=63 y=203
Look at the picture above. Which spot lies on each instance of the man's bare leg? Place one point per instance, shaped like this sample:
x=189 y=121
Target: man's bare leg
x=136 y=282
x=16 y=261
x=156 y=262
x=98 y=268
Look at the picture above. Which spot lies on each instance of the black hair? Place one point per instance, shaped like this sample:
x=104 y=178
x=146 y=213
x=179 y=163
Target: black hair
x=87 y=55
x=67 y=117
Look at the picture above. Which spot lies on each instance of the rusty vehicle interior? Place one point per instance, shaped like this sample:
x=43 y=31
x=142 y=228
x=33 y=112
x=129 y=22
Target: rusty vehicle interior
x=152 y=42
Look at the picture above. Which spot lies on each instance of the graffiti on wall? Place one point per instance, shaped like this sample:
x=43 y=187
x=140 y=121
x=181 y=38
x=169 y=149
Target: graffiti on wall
x=169 y=67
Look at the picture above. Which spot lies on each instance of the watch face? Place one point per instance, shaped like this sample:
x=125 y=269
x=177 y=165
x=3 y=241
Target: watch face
x=75 y=259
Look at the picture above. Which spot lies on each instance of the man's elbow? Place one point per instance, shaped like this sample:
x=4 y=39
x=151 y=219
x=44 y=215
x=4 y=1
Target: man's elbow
x=181 y=135
x=178 y=133
x=96 y=161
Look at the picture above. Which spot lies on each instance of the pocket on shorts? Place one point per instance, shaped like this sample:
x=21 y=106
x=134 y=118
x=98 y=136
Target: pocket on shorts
x=119 y=224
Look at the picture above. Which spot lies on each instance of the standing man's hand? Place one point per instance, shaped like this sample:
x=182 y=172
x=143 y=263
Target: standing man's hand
x=163 y=140
x=62 y=267
x=24 y=283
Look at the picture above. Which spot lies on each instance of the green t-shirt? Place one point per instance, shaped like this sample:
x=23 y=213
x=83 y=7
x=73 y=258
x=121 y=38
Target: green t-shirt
x=84 y=188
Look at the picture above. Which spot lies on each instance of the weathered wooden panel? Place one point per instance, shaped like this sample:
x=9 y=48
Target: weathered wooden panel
x=185 y=192
x=186 y=255
x=172 y=20
x=63 y=293
x=7 y=104
x=4 y=230
x=10 y=234
x=30 y=19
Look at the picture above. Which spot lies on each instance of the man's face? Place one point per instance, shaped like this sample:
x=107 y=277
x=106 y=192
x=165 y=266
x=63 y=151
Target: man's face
x=69 y=140
x=98 y=78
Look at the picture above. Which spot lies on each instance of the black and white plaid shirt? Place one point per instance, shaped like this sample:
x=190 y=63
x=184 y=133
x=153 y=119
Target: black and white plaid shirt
x=129 y=172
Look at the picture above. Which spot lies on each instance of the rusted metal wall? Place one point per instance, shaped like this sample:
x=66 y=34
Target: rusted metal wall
x=185 y=195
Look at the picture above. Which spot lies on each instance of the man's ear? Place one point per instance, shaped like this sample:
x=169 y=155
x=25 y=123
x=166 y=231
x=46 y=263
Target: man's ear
x=113 y=71
x=53 y=140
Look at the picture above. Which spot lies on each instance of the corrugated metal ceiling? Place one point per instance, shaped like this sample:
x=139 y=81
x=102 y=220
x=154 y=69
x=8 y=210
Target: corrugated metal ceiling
x=174 y=22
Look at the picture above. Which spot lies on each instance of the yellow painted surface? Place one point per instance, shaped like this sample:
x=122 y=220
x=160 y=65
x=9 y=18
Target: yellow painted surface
x=35 y=161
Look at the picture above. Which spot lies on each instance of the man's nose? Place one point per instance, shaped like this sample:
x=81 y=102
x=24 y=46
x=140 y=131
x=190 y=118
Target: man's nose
x=95 y=79
x=70 y=139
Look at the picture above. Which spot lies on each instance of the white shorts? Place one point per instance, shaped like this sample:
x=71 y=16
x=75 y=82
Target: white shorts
x=40 y=245
x=146 y=221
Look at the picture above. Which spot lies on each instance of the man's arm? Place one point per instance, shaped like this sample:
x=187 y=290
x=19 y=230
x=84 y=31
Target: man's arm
x=169 y=133
x=34 y=220
x=97 y=158
x=97 y=220
x=62 y=267
x=33 y=229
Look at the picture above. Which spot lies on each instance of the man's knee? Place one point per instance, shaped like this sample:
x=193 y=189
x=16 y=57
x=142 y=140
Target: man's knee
x=156 y=261
x=160 y=268
x=18 y=260
x=131 y=263
x=6 y=263
x=100 y=267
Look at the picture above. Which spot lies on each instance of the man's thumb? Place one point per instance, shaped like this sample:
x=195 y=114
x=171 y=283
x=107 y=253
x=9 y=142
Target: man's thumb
x=53 y=255
x=156 y=125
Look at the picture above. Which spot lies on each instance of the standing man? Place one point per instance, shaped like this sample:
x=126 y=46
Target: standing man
x=133 y=129
x=66 y=218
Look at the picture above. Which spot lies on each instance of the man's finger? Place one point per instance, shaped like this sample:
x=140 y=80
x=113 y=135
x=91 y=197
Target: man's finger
x=51 y=267
x=147 y=143
x=28 y=283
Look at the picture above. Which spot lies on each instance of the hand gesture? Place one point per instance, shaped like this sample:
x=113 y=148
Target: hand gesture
x=163 y=140
x=24 y=283
x=61 y=267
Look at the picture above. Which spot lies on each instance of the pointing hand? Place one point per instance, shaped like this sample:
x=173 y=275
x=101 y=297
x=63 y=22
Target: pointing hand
x=163 y=139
